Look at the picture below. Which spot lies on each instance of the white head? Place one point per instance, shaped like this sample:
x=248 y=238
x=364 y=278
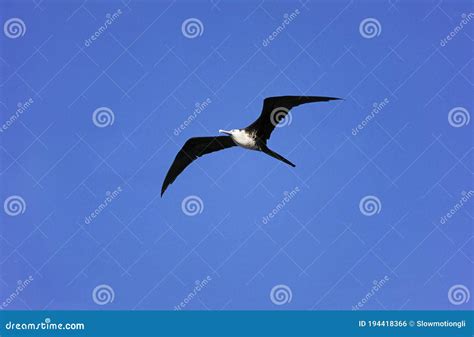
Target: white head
x=242 y=138
x=229 y=132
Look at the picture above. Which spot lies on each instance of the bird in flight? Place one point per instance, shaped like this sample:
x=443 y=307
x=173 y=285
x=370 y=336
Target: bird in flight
x=253 y=137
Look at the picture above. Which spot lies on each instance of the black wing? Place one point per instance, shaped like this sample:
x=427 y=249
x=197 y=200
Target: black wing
x=191 y=150
x=275 y=110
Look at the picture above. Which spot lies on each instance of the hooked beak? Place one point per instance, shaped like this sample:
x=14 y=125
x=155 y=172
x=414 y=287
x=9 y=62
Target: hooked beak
x=226 y=132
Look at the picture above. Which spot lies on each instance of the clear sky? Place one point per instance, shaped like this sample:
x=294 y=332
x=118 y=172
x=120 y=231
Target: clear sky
x=105 y=89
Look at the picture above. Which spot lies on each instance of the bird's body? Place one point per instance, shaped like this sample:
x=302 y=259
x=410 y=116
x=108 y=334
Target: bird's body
x=253 y=137
x=243 y=138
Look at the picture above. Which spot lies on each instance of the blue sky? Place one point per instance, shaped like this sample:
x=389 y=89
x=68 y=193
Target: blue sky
x=143 y=74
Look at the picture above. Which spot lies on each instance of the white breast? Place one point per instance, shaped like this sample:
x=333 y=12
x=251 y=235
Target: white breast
x=244 y=139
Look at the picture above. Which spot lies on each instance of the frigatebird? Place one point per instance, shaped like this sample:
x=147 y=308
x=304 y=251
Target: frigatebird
x=253 y=137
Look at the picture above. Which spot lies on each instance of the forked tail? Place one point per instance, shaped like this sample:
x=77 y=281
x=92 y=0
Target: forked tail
x=276 y=155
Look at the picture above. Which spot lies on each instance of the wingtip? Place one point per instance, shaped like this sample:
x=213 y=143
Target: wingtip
x=330 y=98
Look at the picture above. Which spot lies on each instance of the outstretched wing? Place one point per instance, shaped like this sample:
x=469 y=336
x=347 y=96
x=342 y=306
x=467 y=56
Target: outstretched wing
x=275 y=109
x=191 y=150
